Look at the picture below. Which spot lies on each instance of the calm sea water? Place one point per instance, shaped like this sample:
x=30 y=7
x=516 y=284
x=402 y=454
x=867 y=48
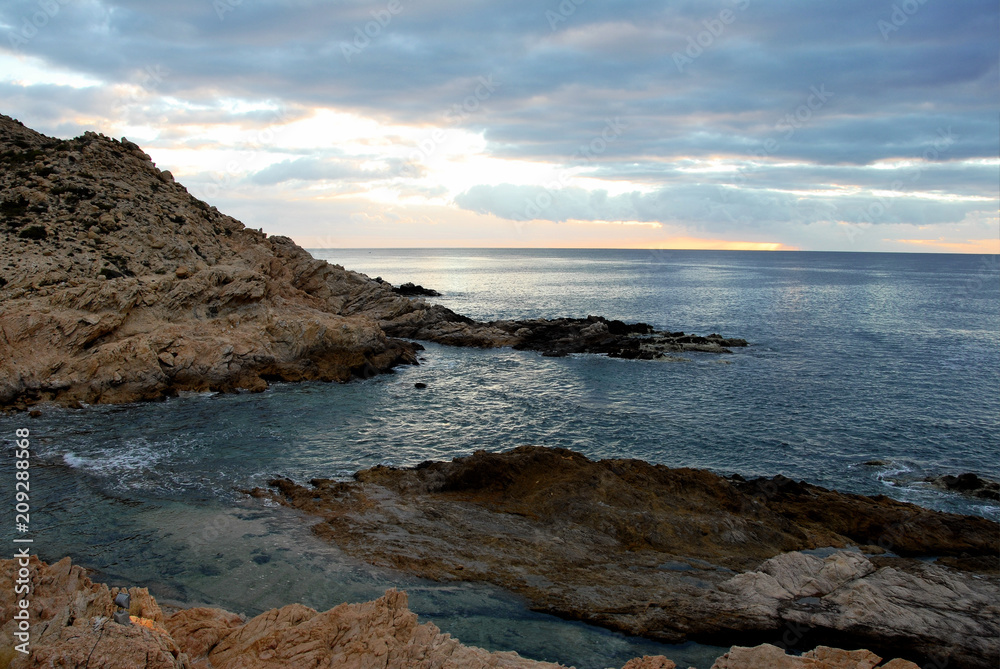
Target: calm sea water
x=855 y=358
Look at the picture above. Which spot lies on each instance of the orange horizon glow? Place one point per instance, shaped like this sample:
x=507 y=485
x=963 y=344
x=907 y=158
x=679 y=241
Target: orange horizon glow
x=988 y=246
x=700 y=244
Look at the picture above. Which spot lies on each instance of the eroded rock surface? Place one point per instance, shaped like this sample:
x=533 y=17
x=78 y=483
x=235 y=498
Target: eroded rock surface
x=677 y=554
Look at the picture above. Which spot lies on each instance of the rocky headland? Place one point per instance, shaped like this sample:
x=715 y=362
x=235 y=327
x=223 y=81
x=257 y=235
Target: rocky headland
x=680 y=554
x=117 y=285
x=71 y=626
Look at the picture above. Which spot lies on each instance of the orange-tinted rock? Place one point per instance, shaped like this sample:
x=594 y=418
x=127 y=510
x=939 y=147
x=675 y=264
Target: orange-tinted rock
x=650 y=662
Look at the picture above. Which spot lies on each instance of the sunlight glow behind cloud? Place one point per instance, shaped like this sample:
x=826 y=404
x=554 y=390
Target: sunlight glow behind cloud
x=487 y=126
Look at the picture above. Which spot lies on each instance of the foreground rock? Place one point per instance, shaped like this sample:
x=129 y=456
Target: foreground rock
x=71 y=627
x=116 y=285
x=679 y=554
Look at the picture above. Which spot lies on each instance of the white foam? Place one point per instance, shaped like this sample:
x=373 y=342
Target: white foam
x=885 y=476
x=127 y=461
x=74 y=461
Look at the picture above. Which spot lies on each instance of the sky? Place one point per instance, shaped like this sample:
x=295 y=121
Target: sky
x=856 y=125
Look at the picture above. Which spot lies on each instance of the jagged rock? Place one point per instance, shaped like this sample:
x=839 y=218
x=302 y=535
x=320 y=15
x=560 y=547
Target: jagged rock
x=71 y=623
x=199 y=630
x=382 y=633
x=71 y=628
x=674 y=554
x=107 y=645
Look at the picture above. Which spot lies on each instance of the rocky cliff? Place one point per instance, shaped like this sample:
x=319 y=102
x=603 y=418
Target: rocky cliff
x=70 y=625
x=680 y=554
x=117 y=285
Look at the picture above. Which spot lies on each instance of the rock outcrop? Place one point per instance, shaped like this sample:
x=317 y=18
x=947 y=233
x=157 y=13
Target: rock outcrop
x=71 y=627
x=117 y=285
x=678 y=554
x=596 y=334
x=410 y=290
x=967 y=484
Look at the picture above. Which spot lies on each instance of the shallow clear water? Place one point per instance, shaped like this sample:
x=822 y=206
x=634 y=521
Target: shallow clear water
x=854 y=358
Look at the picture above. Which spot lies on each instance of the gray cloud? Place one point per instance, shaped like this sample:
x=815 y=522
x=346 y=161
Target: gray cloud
x=328 y=169
x=686 y=84
x=711 y=208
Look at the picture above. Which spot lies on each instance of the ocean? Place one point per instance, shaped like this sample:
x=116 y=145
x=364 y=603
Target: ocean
x=865 y=373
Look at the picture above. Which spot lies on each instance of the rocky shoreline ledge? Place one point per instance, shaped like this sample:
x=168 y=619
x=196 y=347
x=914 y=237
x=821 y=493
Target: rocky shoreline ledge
x=71 y=626
x=117 y=285
x=680 y=554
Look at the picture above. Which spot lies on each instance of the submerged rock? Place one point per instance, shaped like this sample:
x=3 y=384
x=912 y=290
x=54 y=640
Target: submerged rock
x=603 y=542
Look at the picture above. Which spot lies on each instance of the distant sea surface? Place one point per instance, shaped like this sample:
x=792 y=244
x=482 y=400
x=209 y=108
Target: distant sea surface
x=866 y=373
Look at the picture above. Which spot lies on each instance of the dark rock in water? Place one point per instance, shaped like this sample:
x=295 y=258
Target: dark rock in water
x=875 y=463
x=967 y=484
x=588 y=540
x=616 y=339
x=409 y=289
x=419 y=384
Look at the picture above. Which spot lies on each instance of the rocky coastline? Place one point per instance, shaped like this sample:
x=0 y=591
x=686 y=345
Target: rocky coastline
x=679 y=554
x=71 y=625
x=117 y=285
